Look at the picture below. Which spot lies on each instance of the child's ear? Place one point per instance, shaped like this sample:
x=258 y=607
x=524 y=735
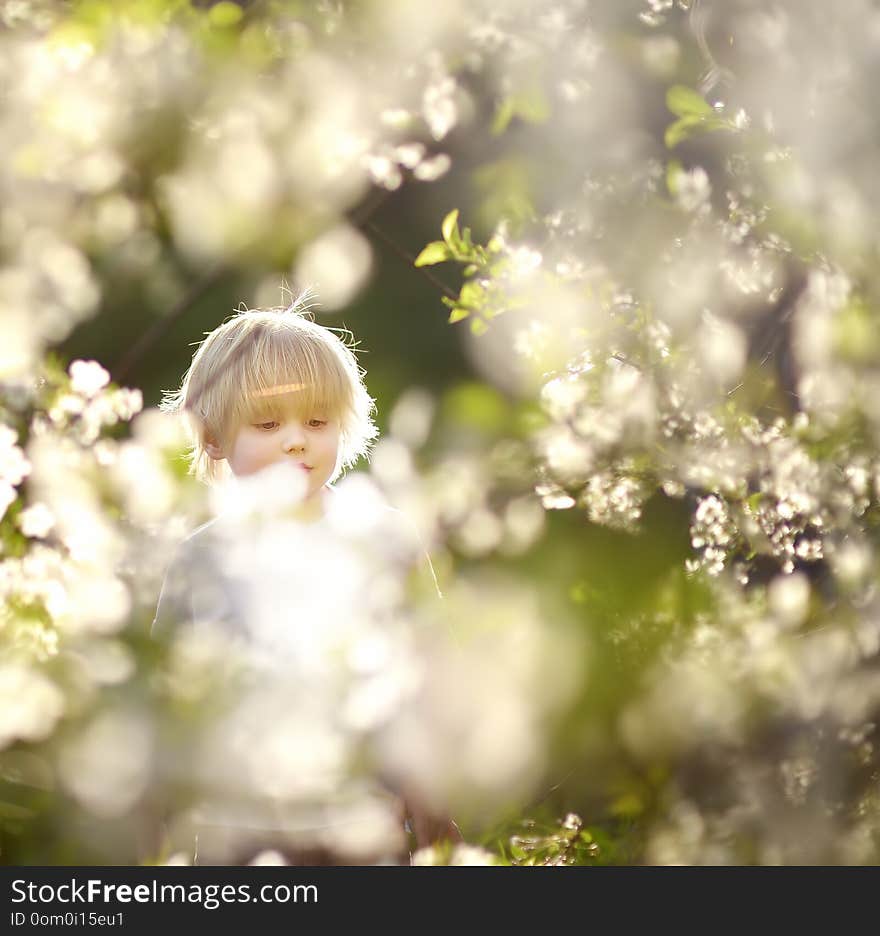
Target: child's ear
x=213 y=448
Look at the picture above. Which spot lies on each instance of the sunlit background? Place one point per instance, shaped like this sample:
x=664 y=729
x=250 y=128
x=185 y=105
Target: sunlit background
x=612 y=268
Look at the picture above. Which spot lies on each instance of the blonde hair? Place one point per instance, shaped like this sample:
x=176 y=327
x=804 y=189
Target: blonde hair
x=258 y=364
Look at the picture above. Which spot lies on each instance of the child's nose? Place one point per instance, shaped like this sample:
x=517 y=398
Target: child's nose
x=293 y=438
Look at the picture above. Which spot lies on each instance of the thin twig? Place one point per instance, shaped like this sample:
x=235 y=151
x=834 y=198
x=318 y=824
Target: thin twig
x=619 y=357
x=410 y=259
x=161 y=325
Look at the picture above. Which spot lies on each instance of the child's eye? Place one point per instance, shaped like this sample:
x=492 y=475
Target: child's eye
x=267 y=426
x=316 y=423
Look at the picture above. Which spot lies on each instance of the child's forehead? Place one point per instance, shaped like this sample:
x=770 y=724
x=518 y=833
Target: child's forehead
x=294 y=398
x=275 y=391
x=290 y=379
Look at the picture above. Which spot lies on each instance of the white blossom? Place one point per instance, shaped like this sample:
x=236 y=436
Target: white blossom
x=14 y=466
x=30 y=704
x=36 y=520
x=88 y=378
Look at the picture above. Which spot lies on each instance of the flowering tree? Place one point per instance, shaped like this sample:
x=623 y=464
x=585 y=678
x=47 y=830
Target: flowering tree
x=655 y=511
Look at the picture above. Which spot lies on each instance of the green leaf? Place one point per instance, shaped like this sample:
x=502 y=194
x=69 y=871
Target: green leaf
x=685 y=102
x=449 y=228
x=532 y=106
x=854 y=333
x=519 y=853
x=506 y=191
x=673 y=171
x=457 y=314
x=503 y=115
x=478 y=327
x=528 y=104
x=471 y=295
x=435 y=252
x=689 y=126
x=14 y=811
x=679 y=130
x=225 y=14
x=629 y=804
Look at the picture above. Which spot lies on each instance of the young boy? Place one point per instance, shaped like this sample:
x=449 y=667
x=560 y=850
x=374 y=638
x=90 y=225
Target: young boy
x=303 y=583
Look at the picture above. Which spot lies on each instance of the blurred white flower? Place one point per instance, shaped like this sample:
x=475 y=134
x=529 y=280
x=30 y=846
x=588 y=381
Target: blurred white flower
x=14 y=466
x=30 y=704
x=396 y=117
x=338 y=263
x=36 y=521
x=410 y=420
x=7 y=496
x=480 y=532
x=98 y=601
x=439 y=107
x=554 y=497
x=127 y=403
x=267 y=858
x=178 y=859
x=523 y=524
x=88 y=377
x=429 y=170
x=158 y=431
x=462 y=855
x=722 y=348
x=524 y=260
x=384 y=171
x=105 y=662
x=614 y=501
x=391 y=462
x=661 y=55
x=693 y=189
x=789 y=598
x=562 y=395
x=570 y=457
x=144 y=483
x=852 y=561
x=471 y=730
x=410 y=155
x=107 y=766
x=66 y=404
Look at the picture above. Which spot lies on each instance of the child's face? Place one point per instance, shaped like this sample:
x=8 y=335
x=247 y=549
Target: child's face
x=308 y=441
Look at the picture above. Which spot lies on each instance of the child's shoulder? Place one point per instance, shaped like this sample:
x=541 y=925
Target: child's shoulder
x=364 y=513
x=196 y=542
x=201 y=534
